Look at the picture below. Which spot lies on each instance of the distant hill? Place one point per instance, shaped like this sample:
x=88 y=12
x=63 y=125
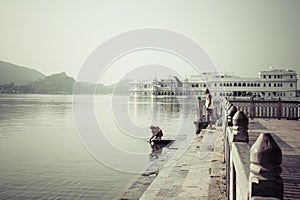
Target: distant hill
x=54 y=84
x=17 y=74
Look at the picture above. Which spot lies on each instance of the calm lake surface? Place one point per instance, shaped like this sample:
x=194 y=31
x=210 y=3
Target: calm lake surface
x=42 y=156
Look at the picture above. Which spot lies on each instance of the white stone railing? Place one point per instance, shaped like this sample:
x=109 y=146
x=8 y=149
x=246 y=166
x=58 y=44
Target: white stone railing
x=251 y=172
x=268 y=108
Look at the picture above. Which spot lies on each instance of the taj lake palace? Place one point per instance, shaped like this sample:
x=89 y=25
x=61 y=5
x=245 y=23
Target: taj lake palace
x=269 y=84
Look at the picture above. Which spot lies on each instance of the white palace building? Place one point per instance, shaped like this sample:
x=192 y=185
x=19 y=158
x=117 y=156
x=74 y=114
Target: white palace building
x=270 y=84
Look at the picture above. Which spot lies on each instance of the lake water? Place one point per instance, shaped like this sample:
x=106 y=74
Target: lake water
x=43 y=155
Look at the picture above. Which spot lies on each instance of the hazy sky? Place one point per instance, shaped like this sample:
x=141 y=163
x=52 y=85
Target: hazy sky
x=238 y=36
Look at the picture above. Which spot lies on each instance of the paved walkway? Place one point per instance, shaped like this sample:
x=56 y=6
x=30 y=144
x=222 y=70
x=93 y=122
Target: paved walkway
x=190 y=176
x=199 y=173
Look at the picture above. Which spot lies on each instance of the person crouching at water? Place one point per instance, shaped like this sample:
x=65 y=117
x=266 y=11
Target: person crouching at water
x=208 y=106
x=156 y=133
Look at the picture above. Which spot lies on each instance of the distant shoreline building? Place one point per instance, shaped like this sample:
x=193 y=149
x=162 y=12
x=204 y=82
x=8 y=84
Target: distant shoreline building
x=270 y=84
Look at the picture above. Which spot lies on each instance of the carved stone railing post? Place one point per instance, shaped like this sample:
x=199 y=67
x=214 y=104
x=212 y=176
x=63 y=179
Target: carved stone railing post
x=239 y=134
x=240 y=127
x=230 y=113
x=227 y=106
x=264 y=178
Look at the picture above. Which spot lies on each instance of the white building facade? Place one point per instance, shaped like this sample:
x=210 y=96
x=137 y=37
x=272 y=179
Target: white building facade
x=269 y=84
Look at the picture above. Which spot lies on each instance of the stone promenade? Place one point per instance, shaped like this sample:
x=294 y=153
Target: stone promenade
x=198 y=174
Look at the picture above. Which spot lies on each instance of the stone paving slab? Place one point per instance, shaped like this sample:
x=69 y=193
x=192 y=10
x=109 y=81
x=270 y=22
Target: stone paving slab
x=189 y=177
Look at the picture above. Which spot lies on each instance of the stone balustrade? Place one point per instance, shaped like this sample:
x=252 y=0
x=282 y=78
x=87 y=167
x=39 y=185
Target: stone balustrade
x=268 y=108
x=251 y=172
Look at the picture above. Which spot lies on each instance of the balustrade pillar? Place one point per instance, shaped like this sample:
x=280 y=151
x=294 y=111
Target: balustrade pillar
x=230 y=113
x=265 y=159
x=239 y=134
x=240 y=127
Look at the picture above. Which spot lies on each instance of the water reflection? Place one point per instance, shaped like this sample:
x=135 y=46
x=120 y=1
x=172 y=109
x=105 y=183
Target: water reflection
x=157 y=147
x=156 y=152
x=160 y=109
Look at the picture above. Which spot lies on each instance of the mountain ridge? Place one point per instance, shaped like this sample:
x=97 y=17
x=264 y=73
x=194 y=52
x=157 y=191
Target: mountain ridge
x=34 y=82
x=12 y=73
